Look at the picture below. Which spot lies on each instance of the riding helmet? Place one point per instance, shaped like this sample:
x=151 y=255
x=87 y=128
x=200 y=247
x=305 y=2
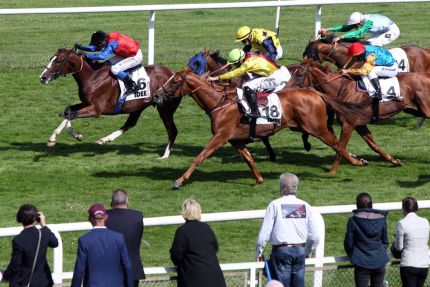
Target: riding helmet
x=243 y=33
x=98 y=38
x=235 y=56
x=356 y=49
x=355 y=18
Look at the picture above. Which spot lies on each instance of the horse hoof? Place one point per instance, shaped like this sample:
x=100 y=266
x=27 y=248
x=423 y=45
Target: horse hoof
x=78 y=137
x=51 y=143
x=307 y=146
x=272 y=158
x=364 y=162
x=176 y=185
x=398 y=162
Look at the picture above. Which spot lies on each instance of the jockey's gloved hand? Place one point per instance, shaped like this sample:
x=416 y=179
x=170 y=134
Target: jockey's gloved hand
x=78 y=46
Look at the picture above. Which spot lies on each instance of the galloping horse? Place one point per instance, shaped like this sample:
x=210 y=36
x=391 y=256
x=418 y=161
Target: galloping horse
x=414 y=87
x=205 y=61
x=303 y=110
x=324 y=50
x=99 y=92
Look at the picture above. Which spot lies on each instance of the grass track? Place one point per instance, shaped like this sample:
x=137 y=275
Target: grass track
x=65 y=180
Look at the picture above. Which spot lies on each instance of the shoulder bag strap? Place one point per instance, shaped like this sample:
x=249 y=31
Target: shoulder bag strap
x=35 y=257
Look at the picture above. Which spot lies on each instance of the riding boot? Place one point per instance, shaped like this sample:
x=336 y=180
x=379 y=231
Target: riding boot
x=251 y=97
x=377 y=97
x=129 y=84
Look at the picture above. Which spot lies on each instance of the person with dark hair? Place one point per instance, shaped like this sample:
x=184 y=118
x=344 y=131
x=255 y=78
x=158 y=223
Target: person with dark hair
x=366 y=242
x=412 y=236
x=129 y=222
x=289 y=224
x=194 y=250
x=102 y=259
x=125 y=49
x=28 y=265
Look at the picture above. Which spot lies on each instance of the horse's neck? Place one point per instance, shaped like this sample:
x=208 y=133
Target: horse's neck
x=88 y=75
x=342 y=87
x=206 y=96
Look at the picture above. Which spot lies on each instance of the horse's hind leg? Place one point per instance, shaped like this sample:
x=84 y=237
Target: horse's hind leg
x=270 y=151
x=130 y=123
x=166 y=114
x=244 y=152
x=365 y=133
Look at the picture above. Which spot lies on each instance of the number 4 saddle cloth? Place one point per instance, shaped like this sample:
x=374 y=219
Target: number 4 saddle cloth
x=390 y=88
x=268 y=104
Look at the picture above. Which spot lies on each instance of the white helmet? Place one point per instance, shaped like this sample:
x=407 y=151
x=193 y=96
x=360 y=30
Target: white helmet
x=355 y=18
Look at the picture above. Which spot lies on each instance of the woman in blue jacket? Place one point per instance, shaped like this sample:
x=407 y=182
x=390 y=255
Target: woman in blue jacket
x=366 y=242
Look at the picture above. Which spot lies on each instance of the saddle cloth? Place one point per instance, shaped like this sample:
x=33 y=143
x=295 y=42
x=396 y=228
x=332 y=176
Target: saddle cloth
x=390 y=88
x=140 y=77
x=268 y=104
x=401 y=58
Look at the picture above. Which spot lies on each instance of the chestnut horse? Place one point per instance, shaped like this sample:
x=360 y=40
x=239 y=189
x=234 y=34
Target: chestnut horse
x=303 y=110
x=414 y=87
x=205 y=61
x=99 y=92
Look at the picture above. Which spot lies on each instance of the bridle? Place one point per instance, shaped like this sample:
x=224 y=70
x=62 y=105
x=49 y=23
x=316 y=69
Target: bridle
x=57 y=73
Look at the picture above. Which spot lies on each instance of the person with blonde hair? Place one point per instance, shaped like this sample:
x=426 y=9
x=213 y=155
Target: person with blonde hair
x=194 y=250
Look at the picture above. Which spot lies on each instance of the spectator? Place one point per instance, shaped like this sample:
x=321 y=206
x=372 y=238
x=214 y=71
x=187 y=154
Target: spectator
x=194 y=250
x=24 y=268
x=274 y=283
x=102 y=259
x=412 y=236
x=290 y=226
x=366 y=242
x=129 y=222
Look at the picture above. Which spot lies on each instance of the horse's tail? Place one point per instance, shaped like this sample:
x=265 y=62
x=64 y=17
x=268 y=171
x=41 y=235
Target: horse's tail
x=354 y=114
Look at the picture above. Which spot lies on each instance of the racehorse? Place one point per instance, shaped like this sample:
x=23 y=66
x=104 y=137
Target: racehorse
x=324 y=49
x=303 y=110
x=414 y=88
x=205 y=61
x=99 y=93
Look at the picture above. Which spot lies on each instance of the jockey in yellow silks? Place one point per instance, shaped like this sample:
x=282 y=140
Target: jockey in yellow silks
x=265 y=41
x=265 y=75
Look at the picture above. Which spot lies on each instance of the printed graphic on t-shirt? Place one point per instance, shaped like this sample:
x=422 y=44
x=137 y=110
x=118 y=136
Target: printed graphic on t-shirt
x=293 y=211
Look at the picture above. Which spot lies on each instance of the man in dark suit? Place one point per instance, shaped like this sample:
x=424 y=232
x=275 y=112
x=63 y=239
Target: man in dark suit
x=129 y=222
x=102 y=259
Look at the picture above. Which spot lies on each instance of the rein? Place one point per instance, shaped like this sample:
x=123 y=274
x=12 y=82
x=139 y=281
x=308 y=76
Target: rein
x=58 y=74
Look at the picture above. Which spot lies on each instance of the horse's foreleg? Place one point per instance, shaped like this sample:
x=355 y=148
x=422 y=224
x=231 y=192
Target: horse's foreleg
x=75 y=135
x=244 y=152
x=53 y=138
x=270 y=151
x=130 y=123
x=365 y=133
x=216 y=142
x=166 y=115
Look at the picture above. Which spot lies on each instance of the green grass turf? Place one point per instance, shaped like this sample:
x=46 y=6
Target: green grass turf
x=63 y=181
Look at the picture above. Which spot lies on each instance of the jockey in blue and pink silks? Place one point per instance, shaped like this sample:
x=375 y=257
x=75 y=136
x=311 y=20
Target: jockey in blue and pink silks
x=126 y=50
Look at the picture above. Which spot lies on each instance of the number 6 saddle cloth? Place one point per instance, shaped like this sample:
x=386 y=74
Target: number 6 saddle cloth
x=268 y=104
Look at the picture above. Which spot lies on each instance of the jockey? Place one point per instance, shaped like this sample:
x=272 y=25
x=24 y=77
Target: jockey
x=267 y=42
x=383 y=31
x=378 y=62
x=266 y=75
x=126 y=50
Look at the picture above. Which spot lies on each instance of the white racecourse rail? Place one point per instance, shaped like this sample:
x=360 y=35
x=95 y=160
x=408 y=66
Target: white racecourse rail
x=318 y=261
x=153 y=8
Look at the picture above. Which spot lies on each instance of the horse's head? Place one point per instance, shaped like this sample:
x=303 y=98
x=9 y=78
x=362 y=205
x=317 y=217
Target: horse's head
x=206 y=61
x=64 y=62
x=309 y=73
x=176 y=86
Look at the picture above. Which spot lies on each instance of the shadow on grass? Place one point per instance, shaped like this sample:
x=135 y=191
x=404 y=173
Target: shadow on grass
x=420 y=181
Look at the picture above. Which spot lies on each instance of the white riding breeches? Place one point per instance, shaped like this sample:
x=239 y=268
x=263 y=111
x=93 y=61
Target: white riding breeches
x=384 y=71
x=385 y=38
x=120 y=64
x=262 y=84
x=279 y=52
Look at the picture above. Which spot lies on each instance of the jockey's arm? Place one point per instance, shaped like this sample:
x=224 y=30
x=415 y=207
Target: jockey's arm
x=369 y=64
x=106 y=53
x=360 y=32
x=340 y=28
x=270 y=48
x=89 y=48
x=236 y=72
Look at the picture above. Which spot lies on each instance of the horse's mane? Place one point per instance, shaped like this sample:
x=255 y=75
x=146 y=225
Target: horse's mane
x=93 y=64
x=217 y=57
x=324 y=68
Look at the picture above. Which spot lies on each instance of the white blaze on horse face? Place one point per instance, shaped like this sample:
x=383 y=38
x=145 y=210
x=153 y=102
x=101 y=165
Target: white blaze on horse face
x=48 y=68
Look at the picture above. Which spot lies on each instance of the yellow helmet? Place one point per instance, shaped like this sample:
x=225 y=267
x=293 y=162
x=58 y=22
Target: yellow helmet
x=243 y=33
